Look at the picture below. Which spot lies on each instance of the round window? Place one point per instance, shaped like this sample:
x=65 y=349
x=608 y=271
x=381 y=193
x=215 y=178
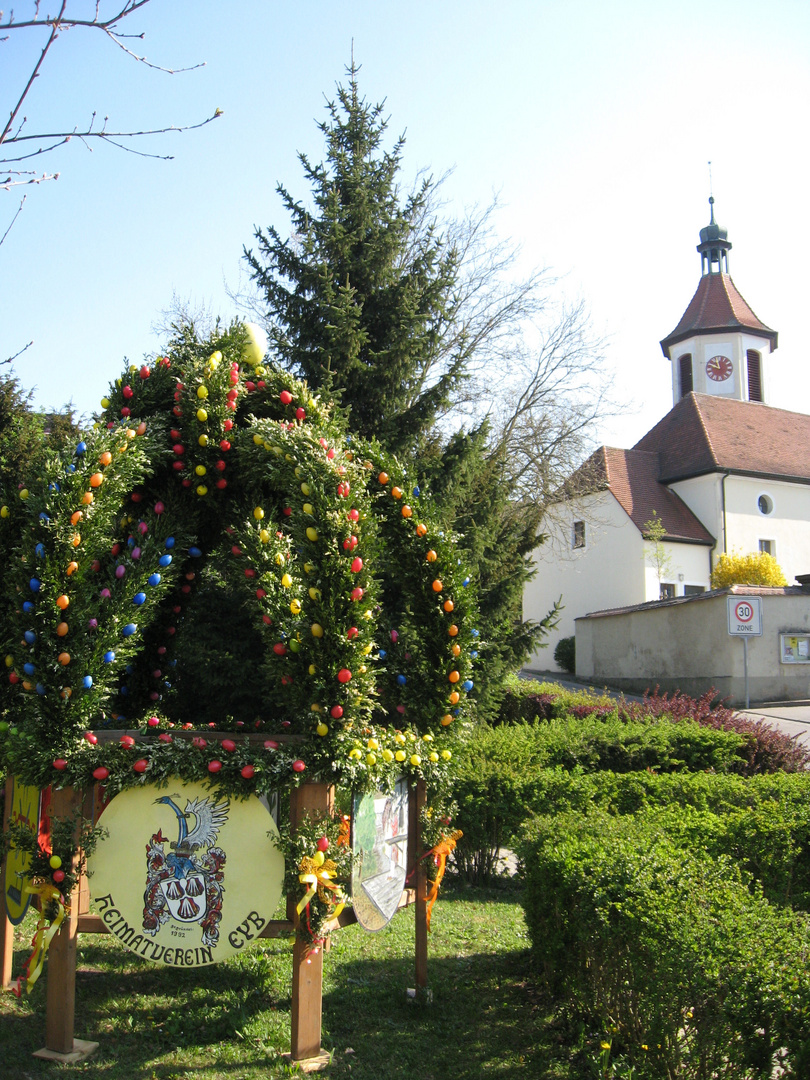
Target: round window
x=765 y=504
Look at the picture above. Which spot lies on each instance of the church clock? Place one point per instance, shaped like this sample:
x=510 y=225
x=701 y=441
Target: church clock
x=719 y=368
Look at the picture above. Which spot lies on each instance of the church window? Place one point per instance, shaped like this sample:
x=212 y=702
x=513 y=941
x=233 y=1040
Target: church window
x=768 y=546
x=578 y=535
x=685 y=374
x=693 y=590
x=754 y=375
x=667 y=591
x=765 y=504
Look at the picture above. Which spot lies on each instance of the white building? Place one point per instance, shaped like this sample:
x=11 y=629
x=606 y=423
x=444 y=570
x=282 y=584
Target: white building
x=723 y=471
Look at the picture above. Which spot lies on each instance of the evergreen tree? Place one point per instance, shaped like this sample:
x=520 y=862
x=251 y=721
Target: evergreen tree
x=367 y=302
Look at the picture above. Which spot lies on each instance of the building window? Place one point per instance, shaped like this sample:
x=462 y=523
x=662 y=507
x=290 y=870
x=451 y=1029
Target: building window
x=667 y=591
x=685 y=374
x=578 y=535
x=693 y=590
x=765 y=504
x=754 y=375
x=768 y=546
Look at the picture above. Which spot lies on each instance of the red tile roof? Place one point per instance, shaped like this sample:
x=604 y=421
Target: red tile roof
x=632 y=478
x=716 y=308
x=704 y=434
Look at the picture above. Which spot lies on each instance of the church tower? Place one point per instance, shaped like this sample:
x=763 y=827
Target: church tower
x=719 y=346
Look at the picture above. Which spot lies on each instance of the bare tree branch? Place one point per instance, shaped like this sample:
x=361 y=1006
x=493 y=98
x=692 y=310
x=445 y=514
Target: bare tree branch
x=54 y=26
x=8 y=230
x=11 y=359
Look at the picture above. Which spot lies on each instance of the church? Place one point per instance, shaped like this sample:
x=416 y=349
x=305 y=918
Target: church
x=723 y=471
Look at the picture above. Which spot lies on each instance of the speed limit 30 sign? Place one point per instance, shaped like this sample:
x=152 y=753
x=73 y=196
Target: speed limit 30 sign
x=744 y=616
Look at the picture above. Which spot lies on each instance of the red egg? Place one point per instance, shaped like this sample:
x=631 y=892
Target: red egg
x=141 y=765
x=247 y=772
x=323 y=843
x=298 y=766
x=214 y=766
x=101 y=773
x=228 y=745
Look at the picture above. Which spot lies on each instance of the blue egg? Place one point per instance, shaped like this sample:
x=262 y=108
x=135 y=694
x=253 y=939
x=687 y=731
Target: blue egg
x=40 y=551
x=129 y=630
x=35 y=584
x=129 y=669
x=172 y=663
x=29 y=669
x=123 y=691
x=165 y=560
x=71 y=467
x=168 y=685
x=87 y=682
x=465 y=582
x=40 y=689
x=467 y=685
x=382 y=654
x=401 y=680
x=153 y=579
x=417 y=492
x=169 y=541
x=44 y=517
x=28 y=607
x=30 y=637
x=130 y=541
x=474 y=654
x=81 y=448
x=139 y=598
x=194 y=552
x=109 y=657
x=474 y=633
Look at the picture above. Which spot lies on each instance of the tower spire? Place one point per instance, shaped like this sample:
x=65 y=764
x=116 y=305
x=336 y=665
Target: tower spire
x=714 y=243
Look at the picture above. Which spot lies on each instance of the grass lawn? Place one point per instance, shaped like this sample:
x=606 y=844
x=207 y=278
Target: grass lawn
x=231 y=1021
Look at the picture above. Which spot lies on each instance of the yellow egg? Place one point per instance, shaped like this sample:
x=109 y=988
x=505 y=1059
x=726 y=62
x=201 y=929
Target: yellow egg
x=306 y=489
x=314 y=594
x=202 y=415
x=202 y=392
x=318 y=858
x=400 y=755
x=309 y=509
x=312 y=534
x=286 y=580
x=295 y=607
x=371 y=759
x=322 y=729
x=256 y=344
x=258 y=513
x=203 y=440
x=387 y=755
x=264 y=536
x=446 y=755
x=317 y=630
x=416 y=761
x=312 y=669
x=105 y=403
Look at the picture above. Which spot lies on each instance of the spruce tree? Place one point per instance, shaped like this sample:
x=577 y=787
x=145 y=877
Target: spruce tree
x=366 y=301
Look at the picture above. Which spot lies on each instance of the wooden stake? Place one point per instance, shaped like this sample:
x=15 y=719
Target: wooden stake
x=6 y=929
x=307 y=983
x=417 y=873
x=60 y=996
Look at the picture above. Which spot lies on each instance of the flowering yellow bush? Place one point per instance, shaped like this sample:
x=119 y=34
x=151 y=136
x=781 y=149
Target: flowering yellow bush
x=756 y=568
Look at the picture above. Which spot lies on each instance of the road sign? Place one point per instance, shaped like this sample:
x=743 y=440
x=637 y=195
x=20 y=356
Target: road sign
x=745 y=616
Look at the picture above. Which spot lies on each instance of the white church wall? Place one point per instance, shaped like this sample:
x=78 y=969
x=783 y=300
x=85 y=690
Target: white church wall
x=607 y=572
x=787 y=526
x=688 y=566
x=703 y=496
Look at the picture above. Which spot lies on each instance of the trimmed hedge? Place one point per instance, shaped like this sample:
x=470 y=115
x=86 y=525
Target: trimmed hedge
x=502 y=776
x=675 y=951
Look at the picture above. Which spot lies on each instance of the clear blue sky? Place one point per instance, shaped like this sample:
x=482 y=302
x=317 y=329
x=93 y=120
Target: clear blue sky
x=594 y=121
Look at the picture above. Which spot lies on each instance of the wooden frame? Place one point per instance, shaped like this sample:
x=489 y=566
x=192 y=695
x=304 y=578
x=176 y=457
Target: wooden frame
x=307 y=973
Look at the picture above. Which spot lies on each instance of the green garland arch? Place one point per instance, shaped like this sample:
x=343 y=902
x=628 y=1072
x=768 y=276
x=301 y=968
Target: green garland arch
x=367 y=612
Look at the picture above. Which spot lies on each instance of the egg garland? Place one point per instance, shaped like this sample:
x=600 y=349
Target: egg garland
x=333 y=557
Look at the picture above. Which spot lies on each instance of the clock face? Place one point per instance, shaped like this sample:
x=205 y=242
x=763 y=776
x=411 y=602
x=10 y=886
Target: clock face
x=719 y=368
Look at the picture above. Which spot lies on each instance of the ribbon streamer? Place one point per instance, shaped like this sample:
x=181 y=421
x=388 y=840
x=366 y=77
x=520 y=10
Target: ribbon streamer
x=445 y=846
x=42 y=937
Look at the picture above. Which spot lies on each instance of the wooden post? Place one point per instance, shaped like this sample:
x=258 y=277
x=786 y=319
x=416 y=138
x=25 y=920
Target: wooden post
x=307 y=984
x=6 y=929
x=417 y=872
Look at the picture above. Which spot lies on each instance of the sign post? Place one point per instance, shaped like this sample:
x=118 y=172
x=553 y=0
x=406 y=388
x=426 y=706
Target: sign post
x=745 y=621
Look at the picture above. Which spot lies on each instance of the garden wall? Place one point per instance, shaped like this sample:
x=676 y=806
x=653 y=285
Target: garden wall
x=684 y=644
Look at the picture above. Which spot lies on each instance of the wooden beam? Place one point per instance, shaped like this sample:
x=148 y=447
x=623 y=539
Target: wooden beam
x=417 y=873
x=6 y=929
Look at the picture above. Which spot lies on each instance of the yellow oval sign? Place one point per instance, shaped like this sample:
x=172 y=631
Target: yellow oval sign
x=24 y=811
x=185 y=877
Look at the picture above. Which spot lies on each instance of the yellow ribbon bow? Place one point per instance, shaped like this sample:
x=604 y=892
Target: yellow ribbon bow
x=317 y=875
x=42 y=937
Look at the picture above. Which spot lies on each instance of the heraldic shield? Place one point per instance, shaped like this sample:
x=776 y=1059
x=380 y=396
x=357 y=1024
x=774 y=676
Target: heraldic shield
x=210 y=881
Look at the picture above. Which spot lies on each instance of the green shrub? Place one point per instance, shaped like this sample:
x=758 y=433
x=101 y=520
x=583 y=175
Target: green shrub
x=502 y=776
x=565 y=654
x=675 y=951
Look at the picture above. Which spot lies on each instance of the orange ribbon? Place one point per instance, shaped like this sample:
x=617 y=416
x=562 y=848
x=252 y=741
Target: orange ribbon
x=445 y=846
x=42 y=937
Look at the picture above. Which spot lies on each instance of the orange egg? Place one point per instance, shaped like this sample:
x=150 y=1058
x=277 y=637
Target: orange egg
x=396 y=492
x=105 y=458
x=421 y=529
x=452 y=630
x=437 y=586
x=406 y=511
x=62 y=601
x=76 y=517
x=447 y=719
x=96 y=480
x=431 y=556
x=72 y=568
x=383 y=477
x=76 y=539
x=87 y=498
x=62 y=629
x=454 y=698
x=448 y=605
x=454 y=676
x=141 y=428
x=64 y=659
x=456 y=650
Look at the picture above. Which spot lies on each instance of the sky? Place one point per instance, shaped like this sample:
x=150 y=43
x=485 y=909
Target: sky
x=592 y=122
